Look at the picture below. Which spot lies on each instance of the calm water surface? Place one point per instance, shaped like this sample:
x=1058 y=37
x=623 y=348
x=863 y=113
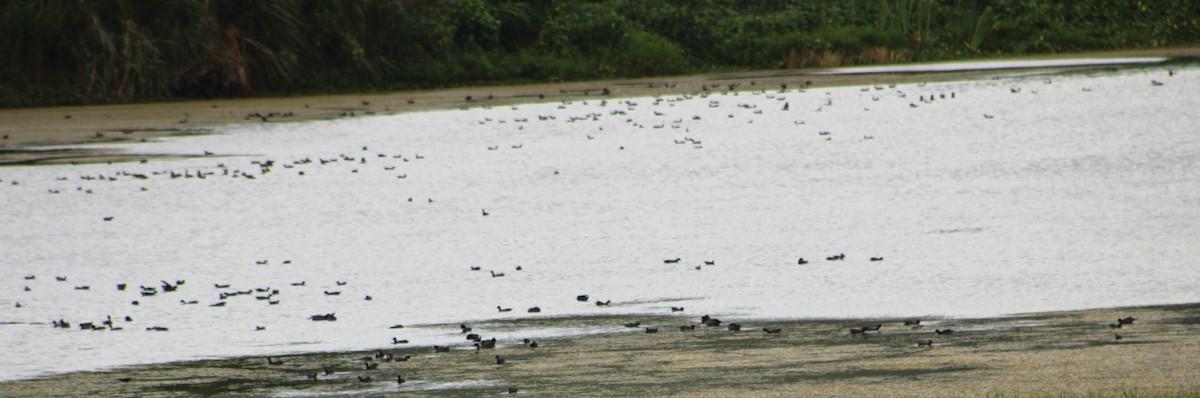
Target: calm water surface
x=1004 y=196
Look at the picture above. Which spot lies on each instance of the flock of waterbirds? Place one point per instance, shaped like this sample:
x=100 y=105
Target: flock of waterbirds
x=256 y=169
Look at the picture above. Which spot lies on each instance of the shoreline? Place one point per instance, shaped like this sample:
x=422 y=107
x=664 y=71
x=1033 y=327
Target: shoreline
x=28 y=131
x=1054 y=353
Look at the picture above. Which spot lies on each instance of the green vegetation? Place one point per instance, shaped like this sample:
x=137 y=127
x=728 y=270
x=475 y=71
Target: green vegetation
x=85 y=51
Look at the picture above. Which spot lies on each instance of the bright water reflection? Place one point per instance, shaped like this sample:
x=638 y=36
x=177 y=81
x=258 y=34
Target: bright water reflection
x=1004 y=196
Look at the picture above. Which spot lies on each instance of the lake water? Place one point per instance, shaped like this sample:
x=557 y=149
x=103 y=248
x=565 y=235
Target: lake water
x=999 y=196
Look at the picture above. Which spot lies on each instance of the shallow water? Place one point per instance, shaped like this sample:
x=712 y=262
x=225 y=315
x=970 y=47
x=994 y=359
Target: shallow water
x=1074 y=191
x=989 y=65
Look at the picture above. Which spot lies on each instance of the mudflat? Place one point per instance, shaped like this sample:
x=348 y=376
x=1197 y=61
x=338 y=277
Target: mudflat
x=28 y=131
x=1075 y=353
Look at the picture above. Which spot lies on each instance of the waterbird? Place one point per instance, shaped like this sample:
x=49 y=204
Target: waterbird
x=364 y=379
x=603 y=303
x=499 y=360
x=438 y=348
x=1126 y=320
x=535 y=309
x=944 y=332
x=801 y=261
x=876 y=258
x=501 y=309
x=496 y=274
x=651 y=330
x=676 y=309
x=839 y=256
x=582 y=297
x=735 y=327
x=671 y=261
x=772 y=330
x=312 y=376
x=633 y=324
x=464 y=327
x=274 y=362
x=912 y=322
x=371 y=365
x=400 y=379
x=395 y=341
x=687 y=328
x=326 y=317
x=396 y=326
x=927 y=343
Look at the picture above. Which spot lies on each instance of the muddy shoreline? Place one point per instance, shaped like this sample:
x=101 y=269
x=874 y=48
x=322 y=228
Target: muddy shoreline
x=1072 y=353
x=27 y=132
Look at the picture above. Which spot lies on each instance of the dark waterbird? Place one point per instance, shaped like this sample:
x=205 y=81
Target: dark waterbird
x=326 y=317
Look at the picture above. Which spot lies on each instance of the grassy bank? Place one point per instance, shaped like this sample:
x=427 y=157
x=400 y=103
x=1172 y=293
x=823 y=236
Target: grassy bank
x=103 y=51
x=1052 y=354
